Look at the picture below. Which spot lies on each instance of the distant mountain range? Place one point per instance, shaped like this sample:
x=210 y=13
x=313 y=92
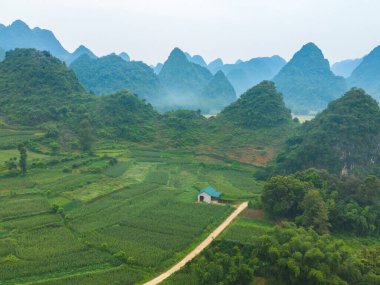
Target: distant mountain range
x=197 y=59
x=19 y=35
x=367 y=74
x=190 y=85
x=307 y=82
x=245 y=74
x=346 y=67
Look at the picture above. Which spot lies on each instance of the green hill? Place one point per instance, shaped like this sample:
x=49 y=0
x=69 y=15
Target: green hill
x=124 y=115
x=307 y=82
x=342 y=139
x=36 y=87
x=260 y=107
x=111 y=73
x=367 y=74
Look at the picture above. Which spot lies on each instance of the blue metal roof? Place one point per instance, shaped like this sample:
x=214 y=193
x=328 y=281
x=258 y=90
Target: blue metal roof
x=211 y=191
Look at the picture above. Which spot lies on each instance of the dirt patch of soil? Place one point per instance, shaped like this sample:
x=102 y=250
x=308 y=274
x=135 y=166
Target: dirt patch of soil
x=251 y=155
x=260 y=281
x=253 y=214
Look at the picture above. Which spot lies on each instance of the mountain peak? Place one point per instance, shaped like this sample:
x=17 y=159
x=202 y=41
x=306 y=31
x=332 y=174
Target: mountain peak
x=19 y=25
x=197 y=59
x=177 y=54
x=82 y=49
x=311 y=45
x=310 y=50
x=316 y=84
x=125 y=56
x=220 y=74
x=215 y=65
x=217 y=61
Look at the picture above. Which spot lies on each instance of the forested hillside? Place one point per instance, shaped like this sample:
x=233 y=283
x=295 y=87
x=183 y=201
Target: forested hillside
x=111 y=74
x=342 y=139
x=260 y=107
x=36 y=87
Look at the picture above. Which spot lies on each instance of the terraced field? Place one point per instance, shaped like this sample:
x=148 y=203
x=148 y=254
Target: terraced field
x=76 y=219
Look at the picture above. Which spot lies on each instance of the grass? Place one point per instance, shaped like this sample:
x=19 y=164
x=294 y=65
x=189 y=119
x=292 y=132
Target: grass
x=117 y=224
x=246 y=230
x=9 y=137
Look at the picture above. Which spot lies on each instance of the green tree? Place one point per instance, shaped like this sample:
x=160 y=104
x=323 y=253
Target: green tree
x=11 y=164
x=369 y=191
x=315 y=213
x=85 y=135
x=283 y=195
x=23 y=156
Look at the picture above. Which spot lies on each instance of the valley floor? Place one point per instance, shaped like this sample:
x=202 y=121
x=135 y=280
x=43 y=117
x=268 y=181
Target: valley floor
x=78 y=219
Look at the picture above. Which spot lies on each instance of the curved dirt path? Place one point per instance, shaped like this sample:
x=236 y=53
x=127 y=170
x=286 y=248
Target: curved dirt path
x=200 y=247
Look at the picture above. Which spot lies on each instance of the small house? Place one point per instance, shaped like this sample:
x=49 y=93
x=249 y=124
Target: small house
x=209 y=195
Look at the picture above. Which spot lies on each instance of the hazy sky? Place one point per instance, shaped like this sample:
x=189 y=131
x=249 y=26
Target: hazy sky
x=231 y=29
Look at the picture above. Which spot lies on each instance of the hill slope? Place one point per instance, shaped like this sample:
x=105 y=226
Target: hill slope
x=36 y=87
x=111 y=73
x=260 y=107
x=367 y=74
x=307 y=82
x=343 y=138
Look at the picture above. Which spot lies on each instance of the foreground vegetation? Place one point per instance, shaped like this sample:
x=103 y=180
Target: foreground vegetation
x=123 y=213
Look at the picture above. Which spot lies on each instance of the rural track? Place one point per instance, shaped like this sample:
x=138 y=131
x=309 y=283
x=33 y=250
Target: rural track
x=200 y=247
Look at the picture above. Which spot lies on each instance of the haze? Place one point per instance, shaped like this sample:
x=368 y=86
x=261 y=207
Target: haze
x=239 y=29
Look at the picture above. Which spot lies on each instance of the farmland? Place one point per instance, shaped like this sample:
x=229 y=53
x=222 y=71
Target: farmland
x=124 y=213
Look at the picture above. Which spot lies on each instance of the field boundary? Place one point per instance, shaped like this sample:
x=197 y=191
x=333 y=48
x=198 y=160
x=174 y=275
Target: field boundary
x=200 y=247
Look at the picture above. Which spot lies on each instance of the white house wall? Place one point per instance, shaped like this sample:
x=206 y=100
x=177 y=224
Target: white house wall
x=206 y=198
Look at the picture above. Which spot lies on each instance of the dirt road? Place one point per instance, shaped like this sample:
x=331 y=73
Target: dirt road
x=200 y=247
